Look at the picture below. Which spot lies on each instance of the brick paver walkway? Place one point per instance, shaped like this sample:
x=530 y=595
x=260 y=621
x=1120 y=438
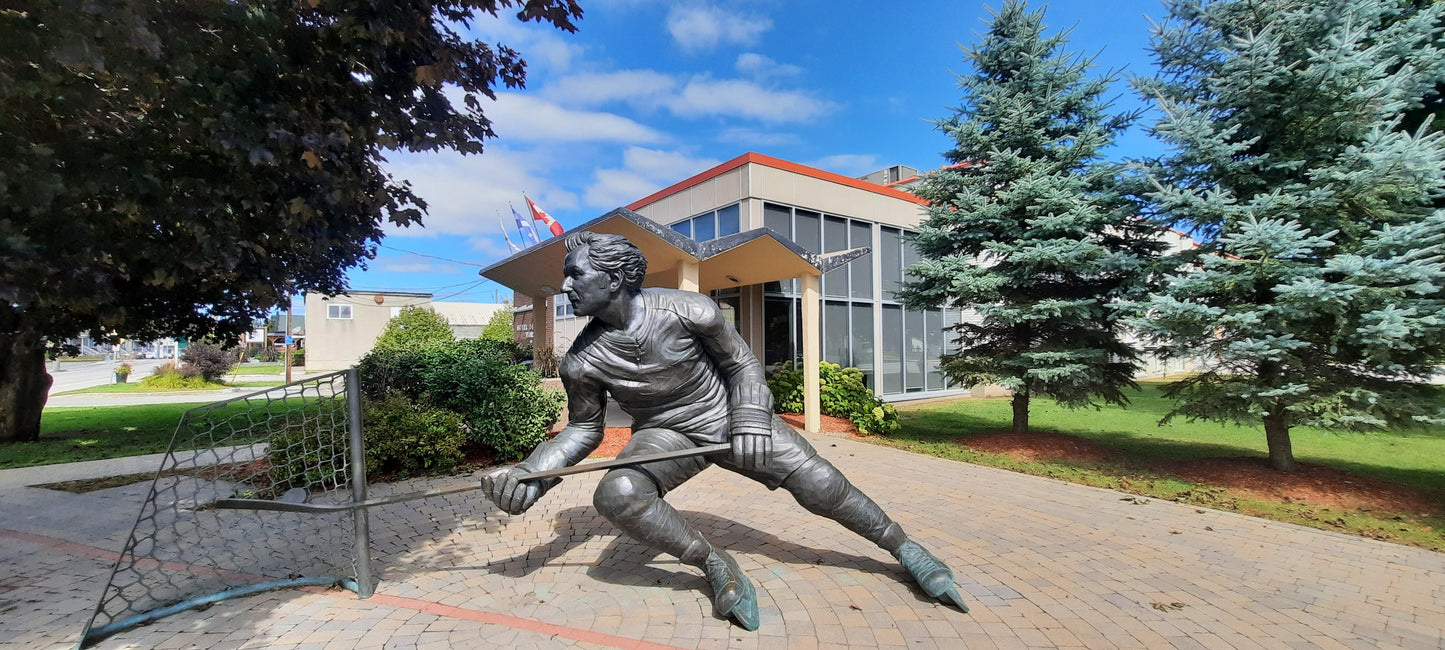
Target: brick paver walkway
x=1043 y=563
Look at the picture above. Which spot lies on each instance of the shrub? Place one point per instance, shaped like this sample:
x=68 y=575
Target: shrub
x=306 y=457
x=499 y=328
x=502 y=404
x=404 y=369
x=842 y=393
x=209 y=360
x=298 y=357
x=167 y=377
x=415 y=327
x=267 y=354
x=407 y=439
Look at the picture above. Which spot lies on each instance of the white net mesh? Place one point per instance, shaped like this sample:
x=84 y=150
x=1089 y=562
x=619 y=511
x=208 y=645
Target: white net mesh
x=290 y=442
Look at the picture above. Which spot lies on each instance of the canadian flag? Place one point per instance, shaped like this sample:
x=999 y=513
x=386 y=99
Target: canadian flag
x=538 y=214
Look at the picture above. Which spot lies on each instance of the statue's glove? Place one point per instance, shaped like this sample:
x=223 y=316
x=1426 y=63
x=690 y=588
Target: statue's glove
x=751 y=437
x=512 y=495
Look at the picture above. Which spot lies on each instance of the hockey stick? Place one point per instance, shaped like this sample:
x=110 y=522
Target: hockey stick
x=290 y=506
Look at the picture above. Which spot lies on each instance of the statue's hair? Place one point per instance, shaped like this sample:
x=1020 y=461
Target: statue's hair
x=611 y=254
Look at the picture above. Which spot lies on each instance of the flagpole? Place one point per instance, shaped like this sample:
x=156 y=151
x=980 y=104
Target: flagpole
x=510 y=245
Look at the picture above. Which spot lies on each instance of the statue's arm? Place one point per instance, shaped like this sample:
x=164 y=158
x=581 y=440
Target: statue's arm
x=750 y=402
x=586 y=422
x=586 y=417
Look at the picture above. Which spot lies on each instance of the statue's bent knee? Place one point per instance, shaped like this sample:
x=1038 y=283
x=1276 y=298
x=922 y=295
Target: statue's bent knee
x=818 y=486
x=624 y=494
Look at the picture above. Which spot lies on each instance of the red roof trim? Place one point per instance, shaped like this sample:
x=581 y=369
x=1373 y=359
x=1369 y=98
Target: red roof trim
x=775 y=163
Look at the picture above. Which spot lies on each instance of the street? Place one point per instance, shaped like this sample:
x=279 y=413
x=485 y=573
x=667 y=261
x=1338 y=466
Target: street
x=76 y=375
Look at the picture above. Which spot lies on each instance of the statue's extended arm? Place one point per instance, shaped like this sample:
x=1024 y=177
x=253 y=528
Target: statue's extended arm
x=586 y=419
x=749 y=399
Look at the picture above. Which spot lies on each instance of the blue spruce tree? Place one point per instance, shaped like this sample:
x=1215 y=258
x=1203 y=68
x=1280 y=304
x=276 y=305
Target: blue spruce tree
x=1028 y=228
x=1317 y=299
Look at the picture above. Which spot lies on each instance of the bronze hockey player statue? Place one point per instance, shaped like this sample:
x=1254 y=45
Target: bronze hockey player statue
x=687 y=379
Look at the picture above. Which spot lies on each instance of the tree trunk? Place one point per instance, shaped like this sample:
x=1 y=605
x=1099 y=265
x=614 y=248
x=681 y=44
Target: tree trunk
x=1276 y=434
x=1021 y=412
x=23 y=386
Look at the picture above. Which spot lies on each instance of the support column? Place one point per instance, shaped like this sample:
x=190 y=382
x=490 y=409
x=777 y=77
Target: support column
x=543 y=316
x=687 y=275
x=812 y=354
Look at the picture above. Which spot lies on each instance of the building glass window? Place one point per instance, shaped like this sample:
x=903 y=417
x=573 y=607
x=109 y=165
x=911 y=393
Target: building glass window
x=711 y=225
x=778 y=317
x=728 y=221
x=892 y=349
x=913 y=342
x=779 y=218
x=807 y=230
x=860 y=234
x=863 y=342
x=904 y=348
x=835 y=333
x=890 y=257
x=933 y=329
x=704 y=227
x=338 y=312
x=835 y=238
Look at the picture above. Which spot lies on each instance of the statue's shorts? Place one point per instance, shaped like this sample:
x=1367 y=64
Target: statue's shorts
x=790 y=451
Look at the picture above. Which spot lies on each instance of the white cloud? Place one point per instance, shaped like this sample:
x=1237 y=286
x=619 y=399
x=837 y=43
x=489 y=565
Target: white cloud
x=848 y=164
x=735 y=97
x=415 y=267
x=465 y=193
x=541 y=46
x=494 y=247
x=758 y=66
x=699 y=27
x=754 y=138
x=636 y=87
x=518 y=117
x=643 y=172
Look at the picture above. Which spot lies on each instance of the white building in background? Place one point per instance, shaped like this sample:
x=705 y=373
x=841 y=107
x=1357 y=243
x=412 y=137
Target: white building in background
x=343 y=328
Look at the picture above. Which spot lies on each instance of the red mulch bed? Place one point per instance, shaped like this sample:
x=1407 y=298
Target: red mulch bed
x=1313 y=484
x=616 y=437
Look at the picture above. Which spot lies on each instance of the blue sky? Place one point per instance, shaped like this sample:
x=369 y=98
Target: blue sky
x=648 y=92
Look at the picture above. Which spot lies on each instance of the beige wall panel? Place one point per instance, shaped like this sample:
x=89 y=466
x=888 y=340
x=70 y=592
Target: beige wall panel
x=729 y=187
x=702 y=197
x=773 y=184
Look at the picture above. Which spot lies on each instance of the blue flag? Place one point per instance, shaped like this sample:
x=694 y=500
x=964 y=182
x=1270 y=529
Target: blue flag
x=524 y=228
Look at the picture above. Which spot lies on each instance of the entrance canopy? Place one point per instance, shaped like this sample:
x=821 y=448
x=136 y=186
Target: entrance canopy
x=752 y=257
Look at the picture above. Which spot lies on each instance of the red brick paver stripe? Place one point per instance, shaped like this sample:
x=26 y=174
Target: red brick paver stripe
x=400 y=602
x=516 y=622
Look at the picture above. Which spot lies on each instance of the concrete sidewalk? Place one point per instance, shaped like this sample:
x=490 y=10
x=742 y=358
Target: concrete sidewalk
x=1043 y=564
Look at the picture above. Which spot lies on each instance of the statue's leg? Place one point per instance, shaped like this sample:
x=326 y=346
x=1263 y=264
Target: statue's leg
x=818 y=486
x=631 y=498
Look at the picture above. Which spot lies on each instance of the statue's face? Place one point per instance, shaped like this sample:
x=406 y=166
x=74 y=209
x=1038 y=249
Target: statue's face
x=589 y=289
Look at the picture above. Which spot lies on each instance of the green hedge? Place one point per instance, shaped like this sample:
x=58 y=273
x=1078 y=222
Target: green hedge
x=500 y=403
x=842 y=393
x=406 y=439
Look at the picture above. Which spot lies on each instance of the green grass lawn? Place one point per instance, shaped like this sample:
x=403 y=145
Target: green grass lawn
x=1414 y=458
x=258 y=369
x=89 y=433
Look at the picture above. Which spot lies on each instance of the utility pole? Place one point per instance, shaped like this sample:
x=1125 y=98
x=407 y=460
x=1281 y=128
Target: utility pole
x=288 y=339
